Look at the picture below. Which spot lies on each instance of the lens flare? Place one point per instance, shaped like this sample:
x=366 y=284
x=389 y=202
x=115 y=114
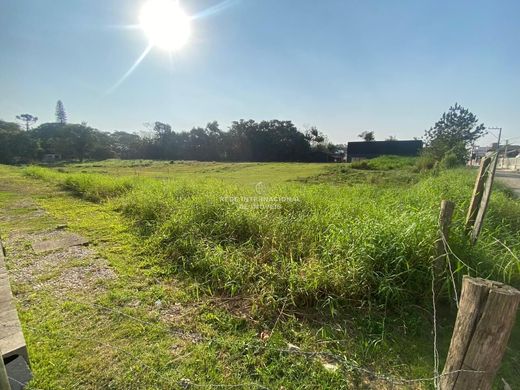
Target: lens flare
x=165 y=24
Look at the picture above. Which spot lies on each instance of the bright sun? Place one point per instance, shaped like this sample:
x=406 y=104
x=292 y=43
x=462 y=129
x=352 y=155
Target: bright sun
x=165 y=24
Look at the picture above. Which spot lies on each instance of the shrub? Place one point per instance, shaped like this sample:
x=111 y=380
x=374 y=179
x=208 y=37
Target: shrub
x=450 y=160
x=425 y=162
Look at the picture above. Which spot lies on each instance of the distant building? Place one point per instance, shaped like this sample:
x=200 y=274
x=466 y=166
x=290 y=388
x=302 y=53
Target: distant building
x=480 y=151
x=362 y=150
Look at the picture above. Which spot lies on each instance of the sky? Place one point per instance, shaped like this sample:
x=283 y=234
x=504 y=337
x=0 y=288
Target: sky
x=345 y=66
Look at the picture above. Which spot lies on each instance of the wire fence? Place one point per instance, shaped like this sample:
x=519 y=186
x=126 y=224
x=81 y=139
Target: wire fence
x=347 y=365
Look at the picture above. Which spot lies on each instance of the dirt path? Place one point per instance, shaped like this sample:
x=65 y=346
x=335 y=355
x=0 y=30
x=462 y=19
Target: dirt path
x=510 y=179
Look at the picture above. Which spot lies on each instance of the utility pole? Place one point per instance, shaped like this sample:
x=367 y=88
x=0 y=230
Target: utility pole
x=498 y=150
x=505 y=160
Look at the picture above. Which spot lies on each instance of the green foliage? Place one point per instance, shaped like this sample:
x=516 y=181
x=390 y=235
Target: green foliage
x=93 y=187
x=15 y=144
x=450 y=160
x=119 y=317
x=385 y=163
x=367 y=136
x=455 y=131
x=272 y=140
x=329 y=244
x=72 y=141
x=311 y=245
x=61 y=115
x=425 y=162
x=28 y=119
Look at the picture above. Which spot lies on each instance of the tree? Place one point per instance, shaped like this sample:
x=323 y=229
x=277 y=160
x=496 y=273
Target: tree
x=28 y=119
x=314 y=136
x=16 y=145
x=82 y=140
x=367 y=136
x=453 y=133
x=391 y=138
x=61 y=115
x=162 y=129
x=125 y=145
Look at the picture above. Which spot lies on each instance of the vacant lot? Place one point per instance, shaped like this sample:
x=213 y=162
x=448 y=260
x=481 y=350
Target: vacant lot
x=261 y=275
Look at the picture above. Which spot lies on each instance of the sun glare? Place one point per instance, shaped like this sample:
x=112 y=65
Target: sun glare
x=165 y=24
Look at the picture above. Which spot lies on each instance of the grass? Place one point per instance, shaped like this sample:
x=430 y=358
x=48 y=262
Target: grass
x=385 y=163
x=92 y=187
x=313 y=262
x=237 y=173
x=318 y=245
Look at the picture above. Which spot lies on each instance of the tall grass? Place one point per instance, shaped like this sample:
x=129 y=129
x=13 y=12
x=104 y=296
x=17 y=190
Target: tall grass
x=311 y=244
x=385 y=163
x=325 y=244
x=92 y=187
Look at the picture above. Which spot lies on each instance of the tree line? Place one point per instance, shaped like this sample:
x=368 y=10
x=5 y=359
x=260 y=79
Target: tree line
x=245 y=140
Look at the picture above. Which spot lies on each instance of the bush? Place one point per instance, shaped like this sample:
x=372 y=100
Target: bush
x=450 y=160
x=425 y=162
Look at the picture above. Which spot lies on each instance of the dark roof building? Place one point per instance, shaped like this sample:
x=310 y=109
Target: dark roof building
x=369 y=149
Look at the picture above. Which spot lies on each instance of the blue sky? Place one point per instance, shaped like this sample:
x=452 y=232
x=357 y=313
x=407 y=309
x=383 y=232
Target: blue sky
x=344 y=66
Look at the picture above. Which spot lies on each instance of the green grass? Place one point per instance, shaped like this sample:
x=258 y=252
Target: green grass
x=319 y=245
x=247 y=174
x=385 y=163
x=93 y=187
x=332 y=265
x=308 y=245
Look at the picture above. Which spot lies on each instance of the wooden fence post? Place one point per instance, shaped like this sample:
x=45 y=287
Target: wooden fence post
x=486 y=316
x=479 y=220
x=447 y=208
x=476 y=197
x=4 y=380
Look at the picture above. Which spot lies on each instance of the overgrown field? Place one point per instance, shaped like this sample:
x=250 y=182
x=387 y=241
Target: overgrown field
x=308 y=245
x=253 y=275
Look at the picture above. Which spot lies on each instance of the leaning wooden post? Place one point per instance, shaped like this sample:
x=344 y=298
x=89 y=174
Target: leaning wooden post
x=486 y=195
x=486 y=316
x=447 y=208
x=4 y=379
x=476 y=197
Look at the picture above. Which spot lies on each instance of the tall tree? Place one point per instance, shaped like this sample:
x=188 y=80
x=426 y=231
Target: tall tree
x=367 y=136
x=27 y=119
x=454 y=132
x=61 y=115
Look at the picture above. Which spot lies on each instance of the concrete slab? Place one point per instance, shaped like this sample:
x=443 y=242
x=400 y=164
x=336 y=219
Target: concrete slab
x=65 y=241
